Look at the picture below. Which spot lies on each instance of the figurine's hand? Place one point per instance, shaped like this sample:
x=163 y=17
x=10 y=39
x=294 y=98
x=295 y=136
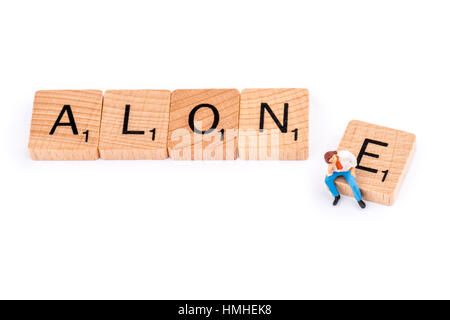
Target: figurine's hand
x=353 y=172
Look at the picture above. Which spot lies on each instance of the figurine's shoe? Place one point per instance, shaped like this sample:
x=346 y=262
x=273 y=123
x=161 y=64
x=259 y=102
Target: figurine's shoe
x=336 y=200
x=361 y=204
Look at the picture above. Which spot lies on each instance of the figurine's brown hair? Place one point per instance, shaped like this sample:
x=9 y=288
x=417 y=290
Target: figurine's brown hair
x=327 y=156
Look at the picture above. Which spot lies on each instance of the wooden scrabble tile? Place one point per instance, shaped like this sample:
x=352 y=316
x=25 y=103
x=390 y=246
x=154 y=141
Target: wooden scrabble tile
x=383 y=156
x=274 y=124
x=65 y=125
x=203 y=124
x=134 y=124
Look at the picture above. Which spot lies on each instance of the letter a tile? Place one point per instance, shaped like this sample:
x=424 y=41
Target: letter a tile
x=65 y=125
x=383 y=157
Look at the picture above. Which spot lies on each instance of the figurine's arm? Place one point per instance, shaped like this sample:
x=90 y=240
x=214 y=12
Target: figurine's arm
x=353 y=172
x=330 y=169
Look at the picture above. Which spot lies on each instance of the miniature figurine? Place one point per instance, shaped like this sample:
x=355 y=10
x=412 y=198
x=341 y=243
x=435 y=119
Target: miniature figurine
x=342 y=163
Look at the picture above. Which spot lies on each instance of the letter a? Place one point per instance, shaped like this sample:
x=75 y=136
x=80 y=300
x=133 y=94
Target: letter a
x=71 y=122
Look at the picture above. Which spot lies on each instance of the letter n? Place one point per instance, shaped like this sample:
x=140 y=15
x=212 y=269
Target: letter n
x=282 y=127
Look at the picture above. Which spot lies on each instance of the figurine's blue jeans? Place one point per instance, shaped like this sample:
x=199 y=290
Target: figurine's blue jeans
x=329 y=180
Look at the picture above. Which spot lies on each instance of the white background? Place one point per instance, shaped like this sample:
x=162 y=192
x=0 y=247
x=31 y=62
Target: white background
x=237 y=229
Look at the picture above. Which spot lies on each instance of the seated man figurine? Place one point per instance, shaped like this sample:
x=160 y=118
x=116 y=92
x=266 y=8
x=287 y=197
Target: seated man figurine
x=342 y=163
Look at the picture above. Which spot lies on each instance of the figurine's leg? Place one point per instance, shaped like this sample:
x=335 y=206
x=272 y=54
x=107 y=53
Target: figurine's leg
x=329 y=181
x=356 y=192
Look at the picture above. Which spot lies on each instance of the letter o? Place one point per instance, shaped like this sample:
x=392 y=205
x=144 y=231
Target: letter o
x=215 y=122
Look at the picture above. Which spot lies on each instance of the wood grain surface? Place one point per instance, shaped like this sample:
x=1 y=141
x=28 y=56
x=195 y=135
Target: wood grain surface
x=134 y=124
x=203 y=107
x=287 y=140
x=77 y=141
x=384 y=155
